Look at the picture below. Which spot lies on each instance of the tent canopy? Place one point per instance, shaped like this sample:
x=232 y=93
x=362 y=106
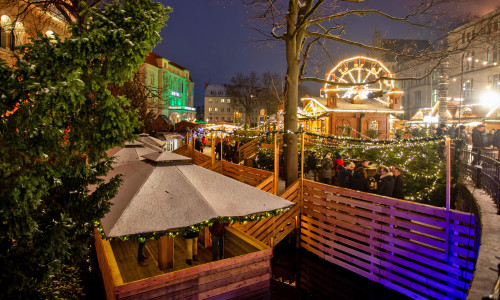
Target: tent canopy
x=156 y=197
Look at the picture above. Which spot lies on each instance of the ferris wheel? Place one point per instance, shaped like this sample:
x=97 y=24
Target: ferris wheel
x=359 y=76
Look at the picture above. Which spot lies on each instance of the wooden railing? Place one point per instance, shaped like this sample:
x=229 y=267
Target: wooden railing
x=199 y=158
x=419 y=250
x=272 y=230
x=249 y=149
x=251 y=176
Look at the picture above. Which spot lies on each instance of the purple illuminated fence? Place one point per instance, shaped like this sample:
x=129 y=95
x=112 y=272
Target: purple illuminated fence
x=422 y=251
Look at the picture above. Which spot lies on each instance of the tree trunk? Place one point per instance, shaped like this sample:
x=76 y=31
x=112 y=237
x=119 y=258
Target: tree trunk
x=293 y=46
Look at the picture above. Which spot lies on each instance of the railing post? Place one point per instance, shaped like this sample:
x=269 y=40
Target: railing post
x=212 y=152
x=276 y=163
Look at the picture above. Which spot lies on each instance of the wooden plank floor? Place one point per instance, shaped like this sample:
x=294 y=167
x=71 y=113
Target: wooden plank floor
x=126 y=257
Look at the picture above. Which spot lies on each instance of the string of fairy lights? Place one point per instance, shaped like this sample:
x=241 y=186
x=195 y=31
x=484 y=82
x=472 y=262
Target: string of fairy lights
x=390 y=150
x=196 y=227
x=324 y=143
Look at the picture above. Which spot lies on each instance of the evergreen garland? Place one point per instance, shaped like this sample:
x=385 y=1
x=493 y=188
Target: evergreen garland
x=196 y=227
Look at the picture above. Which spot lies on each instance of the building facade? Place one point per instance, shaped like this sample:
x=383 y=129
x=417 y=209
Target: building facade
x=17 y=25
x=171 y=89
x=219 y=106
x=473 y=71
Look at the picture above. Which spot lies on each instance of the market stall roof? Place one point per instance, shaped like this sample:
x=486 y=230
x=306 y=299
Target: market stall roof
x=166 y=156
x=159 y=197
x=133 y=151
x=316 y=106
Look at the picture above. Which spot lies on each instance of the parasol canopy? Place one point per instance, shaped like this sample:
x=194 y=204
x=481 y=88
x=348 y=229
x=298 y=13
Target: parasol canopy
x=159 y=197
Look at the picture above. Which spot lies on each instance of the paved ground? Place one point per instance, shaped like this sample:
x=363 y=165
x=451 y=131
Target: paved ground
x=486 y=272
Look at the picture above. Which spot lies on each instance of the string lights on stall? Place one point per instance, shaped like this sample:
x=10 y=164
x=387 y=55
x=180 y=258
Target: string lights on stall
x=196 y=227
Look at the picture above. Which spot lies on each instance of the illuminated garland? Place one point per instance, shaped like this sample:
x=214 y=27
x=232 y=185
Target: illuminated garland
x=196 y=227
x=322 y=137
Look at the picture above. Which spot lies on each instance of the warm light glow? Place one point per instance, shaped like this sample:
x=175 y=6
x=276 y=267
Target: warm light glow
x=490 y=99
x=356 y=72
x=492 y=110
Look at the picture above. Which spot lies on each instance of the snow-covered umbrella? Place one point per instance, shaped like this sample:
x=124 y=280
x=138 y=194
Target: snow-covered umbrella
x=156 y=197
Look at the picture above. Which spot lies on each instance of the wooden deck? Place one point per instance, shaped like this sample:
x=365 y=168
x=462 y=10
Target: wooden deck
x=245 y=270
x=126 y=258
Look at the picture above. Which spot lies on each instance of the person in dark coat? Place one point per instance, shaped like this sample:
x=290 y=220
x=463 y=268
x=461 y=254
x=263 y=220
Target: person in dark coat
x=141 y=257
x=198 y=145
x=477 y=136
x=398 y=183
x=217 y=232
x=359 y=180
x=345 y=174
x=496 y=139
x=227 y=151
x=477 y=142
x=218 y=147
x=311 y=165
x=441 y=131
x=192 y=246
x=385 y=185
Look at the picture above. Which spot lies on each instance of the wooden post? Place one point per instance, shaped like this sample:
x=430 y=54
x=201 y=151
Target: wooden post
x=207 y=241
x=448 y=173
x=165 y=253
x=212 y=148
x=448 y=194
x=221 y=151
x=301 y=203
x=276 y=164
x=302 y=156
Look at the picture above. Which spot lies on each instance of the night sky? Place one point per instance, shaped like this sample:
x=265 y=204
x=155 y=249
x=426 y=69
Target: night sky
x=215 y=40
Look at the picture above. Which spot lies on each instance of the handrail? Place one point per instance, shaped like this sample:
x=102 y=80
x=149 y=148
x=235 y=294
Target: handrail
x=484 y=170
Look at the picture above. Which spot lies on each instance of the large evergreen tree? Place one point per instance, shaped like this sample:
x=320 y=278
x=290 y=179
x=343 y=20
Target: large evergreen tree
x=57 y=120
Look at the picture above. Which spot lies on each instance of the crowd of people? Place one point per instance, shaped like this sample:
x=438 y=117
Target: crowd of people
x=228 y=149
x=387 y=181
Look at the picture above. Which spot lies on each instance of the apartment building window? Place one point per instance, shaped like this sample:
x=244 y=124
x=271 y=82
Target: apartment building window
x=468 y=88
x=228 y=109
x=222 y=100
x=434 y=97
x=211 y=118
x=228 y=100
x=418 y=99
x=222 y=118
x=209 y=100
x=222 y=109
x=469 y=61
x=492 y=53
x=216 y=109
x=209 y=109
x=216 y=118
x=494 y=82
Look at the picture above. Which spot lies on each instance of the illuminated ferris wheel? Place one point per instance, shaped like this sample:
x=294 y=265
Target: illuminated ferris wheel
x=359 y=76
